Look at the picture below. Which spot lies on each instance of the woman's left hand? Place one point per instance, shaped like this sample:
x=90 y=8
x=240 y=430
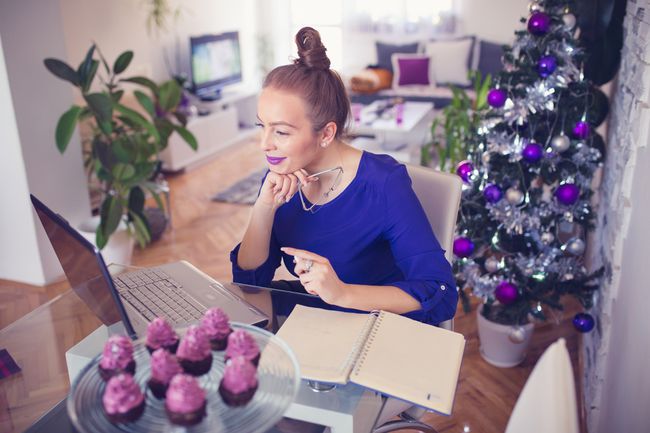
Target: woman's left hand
x=317 y=276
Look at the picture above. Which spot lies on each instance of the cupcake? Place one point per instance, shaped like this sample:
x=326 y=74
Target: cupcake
x=185 y=400
x=239 y=382
x=160 y=334
x=216 y=325
x=241 y=343
x=194 y=352
x=123 y=399
x=164 y=366
x=117 y=357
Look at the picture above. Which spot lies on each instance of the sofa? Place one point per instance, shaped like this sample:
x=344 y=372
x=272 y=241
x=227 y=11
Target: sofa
x=424 y=70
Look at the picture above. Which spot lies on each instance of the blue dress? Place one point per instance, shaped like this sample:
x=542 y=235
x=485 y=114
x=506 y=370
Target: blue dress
x=375 y=233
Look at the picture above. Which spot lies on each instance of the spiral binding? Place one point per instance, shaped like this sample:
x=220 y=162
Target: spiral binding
x=368 y=338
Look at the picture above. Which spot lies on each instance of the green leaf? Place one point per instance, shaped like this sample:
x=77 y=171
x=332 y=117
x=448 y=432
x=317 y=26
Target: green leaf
x=139 y=119
x=91 y=75
x=187 y=136
x=102 y=108
x=146 y=102
x=153 y=188
x=111 y=214
x=62 y=70
x=143 y=81
x=122 y=62
x=100 y=239
x=122 y=171
x=65 y=127
x=136 y=200
x=142 y=232
x=85 y=67
x=121 y=152
x=170 y=95
x=181 y=117
x=117 y=95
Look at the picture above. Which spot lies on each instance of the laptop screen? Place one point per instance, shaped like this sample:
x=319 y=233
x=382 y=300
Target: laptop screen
x=84 y=267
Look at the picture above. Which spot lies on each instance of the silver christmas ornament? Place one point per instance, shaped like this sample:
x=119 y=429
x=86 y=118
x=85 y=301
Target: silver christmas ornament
x=547 y=238
x=560 y=143
x=514 y=196
x=567 y=230
x=569 y=21
x=535 y=7
x=491 y=264
x=575 y=246
x=517 y=335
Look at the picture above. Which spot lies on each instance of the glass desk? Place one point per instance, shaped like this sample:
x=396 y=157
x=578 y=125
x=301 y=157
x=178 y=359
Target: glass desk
x=39 y=341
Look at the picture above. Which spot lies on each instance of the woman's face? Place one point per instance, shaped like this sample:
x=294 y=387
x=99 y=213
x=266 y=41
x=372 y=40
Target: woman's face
x=288 y=139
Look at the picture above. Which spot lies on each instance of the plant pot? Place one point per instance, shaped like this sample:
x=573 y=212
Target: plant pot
x=503 y=345
x=119 y=248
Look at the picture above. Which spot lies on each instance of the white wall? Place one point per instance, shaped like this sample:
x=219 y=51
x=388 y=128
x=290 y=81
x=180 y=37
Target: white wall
x=617 y=378
x=31 y=30
x=493 y=20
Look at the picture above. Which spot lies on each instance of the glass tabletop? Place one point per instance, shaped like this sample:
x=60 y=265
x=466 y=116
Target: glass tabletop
x=39 y=340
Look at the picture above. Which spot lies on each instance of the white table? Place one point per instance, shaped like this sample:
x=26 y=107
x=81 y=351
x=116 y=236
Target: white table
x=384 y=134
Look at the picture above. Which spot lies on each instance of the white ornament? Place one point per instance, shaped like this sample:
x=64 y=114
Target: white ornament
x=535 y=7
x=569 y=21
x=514 y=196
x=517 y=335
x=547 y=238
x=491 y=264
x=560 y=143
x=575 y=246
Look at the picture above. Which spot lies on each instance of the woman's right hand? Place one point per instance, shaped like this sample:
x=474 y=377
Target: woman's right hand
x=278 y=189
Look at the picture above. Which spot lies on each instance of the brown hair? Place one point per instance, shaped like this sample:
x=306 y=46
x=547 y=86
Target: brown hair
x=311 y=78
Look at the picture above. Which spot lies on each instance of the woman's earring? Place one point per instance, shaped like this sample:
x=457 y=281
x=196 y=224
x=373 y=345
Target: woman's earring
x=323 y=144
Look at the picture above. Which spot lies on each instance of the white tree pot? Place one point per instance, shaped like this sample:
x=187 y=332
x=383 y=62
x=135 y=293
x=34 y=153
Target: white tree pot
x=119 y=248
x=503 y=345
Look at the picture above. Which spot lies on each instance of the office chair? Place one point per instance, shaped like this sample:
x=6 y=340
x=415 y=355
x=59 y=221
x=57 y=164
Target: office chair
x=439 y=194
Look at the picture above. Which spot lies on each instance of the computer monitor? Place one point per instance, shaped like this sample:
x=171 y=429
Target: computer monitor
x=215 y=63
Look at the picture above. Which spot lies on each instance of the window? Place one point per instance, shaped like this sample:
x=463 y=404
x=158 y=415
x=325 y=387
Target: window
x=327 y=18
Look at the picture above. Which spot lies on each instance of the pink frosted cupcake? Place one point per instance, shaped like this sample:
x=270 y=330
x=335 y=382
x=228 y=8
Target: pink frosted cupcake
x=185 y=401
x=194 y=352
x=216 y=325
x=117 y=357
x=241 y=343
x=123 y=400
x=239 y=382
x=164 y=366
x=160 y=334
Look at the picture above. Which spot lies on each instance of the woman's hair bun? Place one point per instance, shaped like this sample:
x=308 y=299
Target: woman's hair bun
x=311 y=51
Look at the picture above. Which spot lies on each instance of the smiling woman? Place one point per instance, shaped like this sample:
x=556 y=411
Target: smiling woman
x=356 y=235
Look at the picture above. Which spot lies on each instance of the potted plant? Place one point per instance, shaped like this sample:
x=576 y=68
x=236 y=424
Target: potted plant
x=122 y=151
x=525 y=209
x=453 y=132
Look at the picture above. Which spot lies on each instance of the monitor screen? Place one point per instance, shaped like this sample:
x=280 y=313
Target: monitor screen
x=215 y=61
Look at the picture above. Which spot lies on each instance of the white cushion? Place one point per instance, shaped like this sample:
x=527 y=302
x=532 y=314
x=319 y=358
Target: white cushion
x=396 y=72
x=450 y=60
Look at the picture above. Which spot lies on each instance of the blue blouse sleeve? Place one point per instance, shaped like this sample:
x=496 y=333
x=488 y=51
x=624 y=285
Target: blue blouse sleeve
x=427 y=274
x=261 y=276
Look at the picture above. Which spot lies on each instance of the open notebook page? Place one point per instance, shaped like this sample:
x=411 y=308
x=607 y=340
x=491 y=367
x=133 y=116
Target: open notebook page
x=324 y=341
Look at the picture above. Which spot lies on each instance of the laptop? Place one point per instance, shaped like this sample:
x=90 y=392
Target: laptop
x=177 y=291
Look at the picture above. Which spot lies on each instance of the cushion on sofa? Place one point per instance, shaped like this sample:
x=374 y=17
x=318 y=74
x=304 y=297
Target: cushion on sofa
x=412 y=70
x=385 y=51
x=451 y=59
x=371 y=80
x=489 y=59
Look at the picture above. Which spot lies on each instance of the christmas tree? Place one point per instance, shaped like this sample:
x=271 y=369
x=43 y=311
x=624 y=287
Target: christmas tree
x=526 y=207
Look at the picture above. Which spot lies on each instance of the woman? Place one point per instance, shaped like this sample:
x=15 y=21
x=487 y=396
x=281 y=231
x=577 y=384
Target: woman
x=346 y=222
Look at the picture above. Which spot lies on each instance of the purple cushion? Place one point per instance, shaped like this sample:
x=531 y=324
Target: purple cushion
x=413 y=70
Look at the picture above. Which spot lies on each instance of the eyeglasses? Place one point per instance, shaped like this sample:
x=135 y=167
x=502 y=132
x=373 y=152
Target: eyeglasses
x=319 y=203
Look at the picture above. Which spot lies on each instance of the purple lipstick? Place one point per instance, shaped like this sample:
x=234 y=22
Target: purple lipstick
x=274 y=160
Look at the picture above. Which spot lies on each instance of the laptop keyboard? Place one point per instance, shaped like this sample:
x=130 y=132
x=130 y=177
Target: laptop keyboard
x=155 y=294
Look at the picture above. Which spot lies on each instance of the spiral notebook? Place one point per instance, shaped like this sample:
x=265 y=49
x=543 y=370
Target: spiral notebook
x=382 y=351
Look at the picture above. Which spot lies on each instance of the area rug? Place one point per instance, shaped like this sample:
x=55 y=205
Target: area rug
x=242 y=192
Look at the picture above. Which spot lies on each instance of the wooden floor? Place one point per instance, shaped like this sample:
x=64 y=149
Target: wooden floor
x=204 y=232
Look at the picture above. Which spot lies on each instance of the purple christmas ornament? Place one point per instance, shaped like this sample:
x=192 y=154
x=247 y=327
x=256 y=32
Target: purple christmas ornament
x=463 y=247
x=567 y=193
x=583 y=322
x=506 y=293
x=546 y=66
x=464 y=170
x=581 y=130
x=539 y=23
x=497 y=98
x=492 y=193
x=532 y=153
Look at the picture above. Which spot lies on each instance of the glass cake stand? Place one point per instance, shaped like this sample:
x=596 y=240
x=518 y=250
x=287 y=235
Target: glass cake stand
x=278 y=379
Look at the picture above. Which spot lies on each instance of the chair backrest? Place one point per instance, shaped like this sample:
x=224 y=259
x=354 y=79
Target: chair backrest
x=439 y=193
x=548 y=401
